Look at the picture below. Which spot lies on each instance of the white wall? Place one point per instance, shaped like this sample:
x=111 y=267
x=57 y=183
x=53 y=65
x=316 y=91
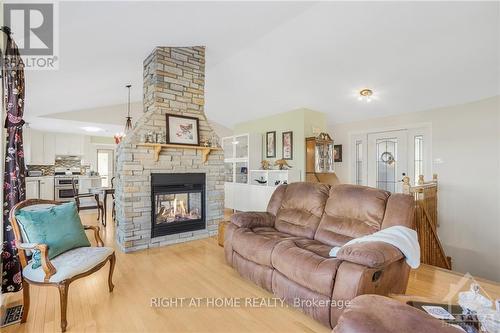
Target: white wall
x=467 y=140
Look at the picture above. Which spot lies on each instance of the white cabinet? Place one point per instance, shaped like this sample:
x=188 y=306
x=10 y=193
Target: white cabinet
x=39 y=147
x=32 y=189
x=255 y=195
x=36 y=148
x=69 y=144
x=49 y=148
x=47 y=188
x=40 y=188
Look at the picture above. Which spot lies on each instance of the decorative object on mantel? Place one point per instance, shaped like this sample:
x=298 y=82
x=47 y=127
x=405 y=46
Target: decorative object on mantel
x=337 y=153
x=205 y=151
x=265 y=165
x=205 y=143
x=282 y=164
x=214 y=141
x=271 y=144
x=287 y=145
x=183 y=130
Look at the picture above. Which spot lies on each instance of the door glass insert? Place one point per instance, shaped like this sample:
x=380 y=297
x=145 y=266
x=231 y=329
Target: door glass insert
x=241 y=172
x=227 y=146
x=228 y=172
x=386 y=163
x=419 y=156
x=359 y=162
x=241 y=146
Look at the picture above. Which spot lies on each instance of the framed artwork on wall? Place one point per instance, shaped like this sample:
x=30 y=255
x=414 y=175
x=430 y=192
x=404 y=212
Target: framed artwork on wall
x=183 y=130
x=287 y=145
x=337 y=153
x=271 y=144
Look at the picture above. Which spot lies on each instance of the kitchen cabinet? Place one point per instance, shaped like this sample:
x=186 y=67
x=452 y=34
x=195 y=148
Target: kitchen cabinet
x=69 y=144
x=40 y=188
x=39 y=147
x=49 y=148
x=32 y=189
x=35 y=153
x=47 y=188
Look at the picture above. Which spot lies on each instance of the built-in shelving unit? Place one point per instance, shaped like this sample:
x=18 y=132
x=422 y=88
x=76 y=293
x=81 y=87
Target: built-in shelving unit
x=205 y=151
x=273 y=178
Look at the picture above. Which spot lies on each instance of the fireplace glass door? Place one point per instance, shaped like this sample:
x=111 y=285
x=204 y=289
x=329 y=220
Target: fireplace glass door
x=178 y=207
x=177 y=202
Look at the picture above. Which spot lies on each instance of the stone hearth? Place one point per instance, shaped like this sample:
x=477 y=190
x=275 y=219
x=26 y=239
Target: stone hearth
x=174 y=81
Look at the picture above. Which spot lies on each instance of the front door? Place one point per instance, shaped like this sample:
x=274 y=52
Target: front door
x=387 y=160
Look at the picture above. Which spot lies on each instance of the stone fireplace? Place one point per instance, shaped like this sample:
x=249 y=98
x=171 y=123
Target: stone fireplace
x=178 y=196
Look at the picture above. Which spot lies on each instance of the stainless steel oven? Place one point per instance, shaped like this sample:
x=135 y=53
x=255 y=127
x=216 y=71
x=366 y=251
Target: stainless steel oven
x=63 y=188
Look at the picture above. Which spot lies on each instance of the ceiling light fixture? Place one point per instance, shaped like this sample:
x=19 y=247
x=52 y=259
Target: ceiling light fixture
x=91 y=129
x=366 y=95
x=128 y=123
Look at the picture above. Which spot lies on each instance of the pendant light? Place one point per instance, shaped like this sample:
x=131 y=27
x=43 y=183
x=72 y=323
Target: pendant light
x=128 y=123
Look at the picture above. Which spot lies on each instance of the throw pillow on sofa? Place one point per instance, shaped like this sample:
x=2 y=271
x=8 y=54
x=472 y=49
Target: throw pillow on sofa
x=58 y=226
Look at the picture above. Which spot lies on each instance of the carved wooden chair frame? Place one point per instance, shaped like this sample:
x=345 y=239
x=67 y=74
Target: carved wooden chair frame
x=47 y=266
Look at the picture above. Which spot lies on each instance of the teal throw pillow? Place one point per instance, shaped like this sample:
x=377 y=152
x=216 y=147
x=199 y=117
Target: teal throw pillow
x=58 y=226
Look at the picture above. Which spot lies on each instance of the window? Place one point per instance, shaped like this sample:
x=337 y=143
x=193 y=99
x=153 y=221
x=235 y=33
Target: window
x=419 y=156
x=359 y=162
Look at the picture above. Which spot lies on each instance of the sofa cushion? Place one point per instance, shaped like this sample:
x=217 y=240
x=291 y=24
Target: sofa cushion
x=351 y=211
x=306 y=262
x=301 y=208
x=257 y=244
x=70 y=264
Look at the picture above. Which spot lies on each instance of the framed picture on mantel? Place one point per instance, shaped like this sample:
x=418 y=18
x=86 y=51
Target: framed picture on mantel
x=183 y=130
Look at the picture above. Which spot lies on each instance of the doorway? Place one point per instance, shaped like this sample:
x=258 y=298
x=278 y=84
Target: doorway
x=105 y=158
x=381 y=159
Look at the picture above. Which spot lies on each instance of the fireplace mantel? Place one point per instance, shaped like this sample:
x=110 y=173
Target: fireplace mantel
x=159 y=146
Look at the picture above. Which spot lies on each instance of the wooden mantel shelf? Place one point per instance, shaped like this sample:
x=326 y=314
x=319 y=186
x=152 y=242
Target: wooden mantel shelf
x=205 y=151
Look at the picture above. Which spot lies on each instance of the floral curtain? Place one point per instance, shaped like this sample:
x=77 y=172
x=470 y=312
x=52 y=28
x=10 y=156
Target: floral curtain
x=14 y=176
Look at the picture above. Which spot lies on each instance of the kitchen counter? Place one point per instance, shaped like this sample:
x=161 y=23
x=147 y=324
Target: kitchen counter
x=89 y=177
x=28 y=178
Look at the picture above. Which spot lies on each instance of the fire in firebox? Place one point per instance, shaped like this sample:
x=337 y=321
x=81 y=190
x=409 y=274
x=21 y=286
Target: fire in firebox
x=173 y=209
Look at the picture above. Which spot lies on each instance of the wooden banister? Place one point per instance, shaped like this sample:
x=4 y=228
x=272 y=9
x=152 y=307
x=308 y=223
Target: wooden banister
x=426 y=220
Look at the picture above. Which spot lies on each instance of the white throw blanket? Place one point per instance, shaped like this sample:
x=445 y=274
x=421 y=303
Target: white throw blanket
x=405 y=239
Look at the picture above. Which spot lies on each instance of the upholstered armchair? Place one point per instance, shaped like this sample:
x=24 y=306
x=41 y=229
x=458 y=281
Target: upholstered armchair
x=63 y=269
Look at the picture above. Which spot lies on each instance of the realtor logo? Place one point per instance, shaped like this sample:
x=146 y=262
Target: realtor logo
x=34 y=29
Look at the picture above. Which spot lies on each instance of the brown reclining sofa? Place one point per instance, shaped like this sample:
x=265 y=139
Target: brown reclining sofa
x=285 y=250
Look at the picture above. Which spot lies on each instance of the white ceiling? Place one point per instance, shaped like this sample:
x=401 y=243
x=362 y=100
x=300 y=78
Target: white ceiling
x=266 y=58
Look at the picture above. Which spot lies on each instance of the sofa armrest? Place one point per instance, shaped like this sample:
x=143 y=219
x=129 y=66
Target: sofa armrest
x=253 y=219
x=370 y=254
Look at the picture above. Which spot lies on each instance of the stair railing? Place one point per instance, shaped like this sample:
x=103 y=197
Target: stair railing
x=426 y=220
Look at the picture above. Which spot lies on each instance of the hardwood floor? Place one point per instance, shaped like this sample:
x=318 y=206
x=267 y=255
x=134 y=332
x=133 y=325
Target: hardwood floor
x=194 y=269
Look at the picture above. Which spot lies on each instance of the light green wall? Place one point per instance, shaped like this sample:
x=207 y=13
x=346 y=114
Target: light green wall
x=102 y=140
x=300 y=121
